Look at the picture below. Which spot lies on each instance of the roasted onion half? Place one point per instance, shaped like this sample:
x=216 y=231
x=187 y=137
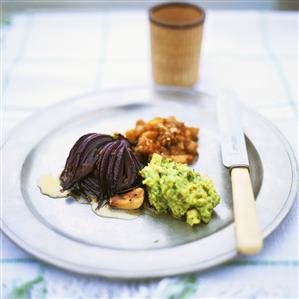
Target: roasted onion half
x=101 y=166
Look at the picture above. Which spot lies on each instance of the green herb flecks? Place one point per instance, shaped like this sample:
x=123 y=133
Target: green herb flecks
x=23 y=291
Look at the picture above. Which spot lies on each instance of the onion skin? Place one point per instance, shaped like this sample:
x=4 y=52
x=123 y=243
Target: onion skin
x=101 y=166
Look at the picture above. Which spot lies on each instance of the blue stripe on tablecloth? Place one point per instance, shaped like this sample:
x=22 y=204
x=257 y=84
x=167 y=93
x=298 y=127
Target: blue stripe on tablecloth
x=18 y=57
x=238 y=262
x=284 y=263
x=275 y=61
x=18 y=261
x=103 y=59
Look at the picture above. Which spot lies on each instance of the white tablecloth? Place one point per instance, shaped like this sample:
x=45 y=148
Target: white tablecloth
x=47 y=57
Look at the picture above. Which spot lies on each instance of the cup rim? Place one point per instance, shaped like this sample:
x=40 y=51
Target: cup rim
x=197 y=22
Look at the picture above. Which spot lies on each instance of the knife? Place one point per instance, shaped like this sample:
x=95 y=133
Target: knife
x=235 y=158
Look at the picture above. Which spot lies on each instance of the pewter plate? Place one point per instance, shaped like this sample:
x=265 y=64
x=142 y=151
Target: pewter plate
x=69 y=235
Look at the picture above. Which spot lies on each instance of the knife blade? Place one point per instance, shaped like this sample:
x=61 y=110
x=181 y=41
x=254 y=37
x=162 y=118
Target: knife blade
x=234 y=156
x=233 y=146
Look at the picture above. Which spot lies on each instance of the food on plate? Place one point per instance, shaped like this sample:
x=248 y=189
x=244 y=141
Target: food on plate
x=176 y=188
x=165 y=136
x=129 y=201
x=107 y=172
x=100 y=166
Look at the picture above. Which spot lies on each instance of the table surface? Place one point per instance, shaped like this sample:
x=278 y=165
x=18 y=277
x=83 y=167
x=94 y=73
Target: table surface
x=50 y=56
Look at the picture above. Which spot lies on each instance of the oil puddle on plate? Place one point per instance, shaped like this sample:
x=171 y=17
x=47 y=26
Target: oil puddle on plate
x=50 y=186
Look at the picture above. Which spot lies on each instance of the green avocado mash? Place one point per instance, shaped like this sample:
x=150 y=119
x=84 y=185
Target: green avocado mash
x=176 y=188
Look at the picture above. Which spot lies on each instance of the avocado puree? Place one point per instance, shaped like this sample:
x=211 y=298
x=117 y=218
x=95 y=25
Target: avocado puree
x=176 y=188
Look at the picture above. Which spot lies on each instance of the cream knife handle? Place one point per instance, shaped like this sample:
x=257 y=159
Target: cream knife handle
x=248 y=233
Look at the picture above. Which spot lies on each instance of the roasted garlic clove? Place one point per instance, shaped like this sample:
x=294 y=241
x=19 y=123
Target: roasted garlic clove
x=128 y=201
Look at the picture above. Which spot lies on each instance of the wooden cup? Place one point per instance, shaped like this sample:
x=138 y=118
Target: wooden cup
x=176 y=35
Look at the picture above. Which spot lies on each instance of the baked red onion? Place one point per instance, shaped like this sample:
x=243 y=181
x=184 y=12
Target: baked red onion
x=101 y=166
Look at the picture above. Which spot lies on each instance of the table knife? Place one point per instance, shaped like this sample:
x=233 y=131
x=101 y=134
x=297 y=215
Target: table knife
x=235 y=158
